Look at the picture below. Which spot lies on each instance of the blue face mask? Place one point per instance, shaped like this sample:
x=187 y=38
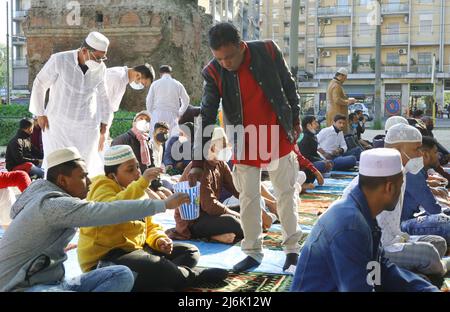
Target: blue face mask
x=354 y=126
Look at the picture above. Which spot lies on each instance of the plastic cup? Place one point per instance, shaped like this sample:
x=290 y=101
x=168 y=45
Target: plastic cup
x=189 y=211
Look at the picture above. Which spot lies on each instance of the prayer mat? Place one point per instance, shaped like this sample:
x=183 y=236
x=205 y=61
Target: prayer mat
x=248 y=282
x=273 y=239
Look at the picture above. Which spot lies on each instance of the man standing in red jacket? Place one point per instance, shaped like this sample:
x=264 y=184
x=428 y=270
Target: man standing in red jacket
x=258 y=94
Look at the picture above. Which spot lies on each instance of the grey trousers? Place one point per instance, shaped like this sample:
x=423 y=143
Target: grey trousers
x=421 y=256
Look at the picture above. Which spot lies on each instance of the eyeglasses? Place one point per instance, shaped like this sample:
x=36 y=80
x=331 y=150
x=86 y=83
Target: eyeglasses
x=98 y=60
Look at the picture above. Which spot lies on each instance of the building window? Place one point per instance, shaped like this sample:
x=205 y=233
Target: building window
x=424 y=58
x=364 y=28
x=393 y=29
x=342 y=30
x=426 y=24
x=341 y=60
x=342 y=2
x=393 y=59
x=365 y=58
x=425 y=1
x=363 y=2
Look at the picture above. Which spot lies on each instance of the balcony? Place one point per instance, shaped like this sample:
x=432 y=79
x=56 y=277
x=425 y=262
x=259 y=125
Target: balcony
x=390 y=69
x=17 y=40
x=422 y=69
x=19 y=15
x=395 y=8
x=333 y=41
x=20 y=62
x=328 y=69
x=343 y=10
x=394 y=39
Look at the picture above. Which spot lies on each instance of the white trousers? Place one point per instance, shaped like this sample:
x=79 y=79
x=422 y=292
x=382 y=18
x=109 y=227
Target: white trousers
x=247 y=180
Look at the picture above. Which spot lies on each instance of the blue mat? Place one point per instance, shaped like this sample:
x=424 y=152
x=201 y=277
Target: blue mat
x=348 y=173
x=335 y=182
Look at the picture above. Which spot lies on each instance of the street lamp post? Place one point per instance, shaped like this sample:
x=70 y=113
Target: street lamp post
x=8 y=97
x=377 y=99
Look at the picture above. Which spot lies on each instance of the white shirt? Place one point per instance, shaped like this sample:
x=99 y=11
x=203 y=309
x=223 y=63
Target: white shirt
x=157 y=153
x=329 y=140
x=167 y=94
x=388 y=221
x=74 y=96
x=116 y=85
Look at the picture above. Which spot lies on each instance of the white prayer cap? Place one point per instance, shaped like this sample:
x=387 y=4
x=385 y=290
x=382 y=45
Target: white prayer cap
x=394 y=120
x=342 y=71
x=118 y=154
x=62 y=155
x=218 y=133
x=401 y=133
x=380 y=162
x=97 y=41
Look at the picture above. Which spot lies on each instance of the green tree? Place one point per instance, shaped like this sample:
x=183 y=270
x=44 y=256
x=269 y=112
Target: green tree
x=2 y=66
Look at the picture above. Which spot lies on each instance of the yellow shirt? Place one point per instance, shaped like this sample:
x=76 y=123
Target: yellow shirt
x=96 y=242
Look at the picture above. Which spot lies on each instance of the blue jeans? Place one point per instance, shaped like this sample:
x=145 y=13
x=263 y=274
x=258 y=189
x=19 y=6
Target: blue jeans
x=340 y=163
x=437 y=224
x=36 y=171
x=320 y=165
x=356 y=151
x=115 y=278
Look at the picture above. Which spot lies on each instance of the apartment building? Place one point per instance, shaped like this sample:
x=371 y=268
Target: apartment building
x=244 y=14
x=341 y=33
x=19 y=49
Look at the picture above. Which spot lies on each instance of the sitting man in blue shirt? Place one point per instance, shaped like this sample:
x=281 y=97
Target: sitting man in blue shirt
x=422 y=214
x=343 y=252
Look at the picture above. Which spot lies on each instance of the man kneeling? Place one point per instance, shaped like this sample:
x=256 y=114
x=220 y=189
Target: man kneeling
x=44 y=220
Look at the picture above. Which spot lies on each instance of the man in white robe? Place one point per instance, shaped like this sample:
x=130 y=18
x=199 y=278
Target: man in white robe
x=167 y=100
x=78 y=106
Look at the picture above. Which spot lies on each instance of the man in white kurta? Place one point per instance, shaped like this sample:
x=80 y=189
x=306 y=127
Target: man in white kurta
x=167 y=100
x=116 y=81
x=77 y=108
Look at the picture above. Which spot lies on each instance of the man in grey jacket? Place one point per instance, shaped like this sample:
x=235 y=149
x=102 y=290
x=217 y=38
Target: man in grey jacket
x=44 y=220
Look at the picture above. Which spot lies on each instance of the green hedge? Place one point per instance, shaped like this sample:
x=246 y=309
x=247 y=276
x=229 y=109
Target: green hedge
x=10 y=116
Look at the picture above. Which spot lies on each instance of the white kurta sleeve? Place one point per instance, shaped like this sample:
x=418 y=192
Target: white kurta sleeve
x=150 y=101
x=43 y=81
x=103 y=103
x=184 y=97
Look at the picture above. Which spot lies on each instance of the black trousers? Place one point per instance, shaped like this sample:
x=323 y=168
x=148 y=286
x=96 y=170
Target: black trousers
x=157 y=271
x=207 y=226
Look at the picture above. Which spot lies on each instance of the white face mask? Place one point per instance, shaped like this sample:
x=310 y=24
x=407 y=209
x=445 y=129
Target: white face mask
x=225 y=154
x=136 y=86
x=93 y=65
x=414 y=165
x=143 y=126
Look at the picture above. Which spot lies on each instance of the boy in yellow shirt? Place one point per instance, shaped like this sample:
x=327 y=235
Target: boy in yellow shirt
x=142 y=245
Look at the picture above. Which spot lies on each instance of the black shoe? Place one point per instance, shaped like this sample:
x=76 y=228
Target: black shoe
x=209 y=275
x=291 y=259
x=246 y=264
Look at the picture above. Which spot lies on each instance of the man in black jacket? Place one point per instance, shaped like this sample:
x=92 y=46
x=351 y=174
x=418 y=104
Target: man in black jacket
x=20 y=153
x=257 y=92
x=308 y=147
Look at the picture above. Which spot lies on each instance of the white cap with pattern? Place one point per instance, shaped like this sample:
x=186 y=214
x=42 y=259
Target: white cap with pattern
x=401 y=133
x=394 y=120
x=118 y=154
x=97 y=41
x=380 y=162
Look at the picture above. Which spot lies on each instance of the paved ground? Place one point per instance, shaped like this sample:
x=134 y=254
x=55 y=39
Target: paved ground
x=442 y=135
